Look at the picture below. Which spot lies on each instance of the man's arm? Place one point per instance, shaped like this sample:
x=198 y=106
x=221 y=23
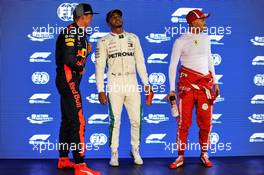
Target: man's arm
x=70 y=57
x=140 y=62
x=211 y=63
x=100 y=56
x=175 y=57
x=212 y=70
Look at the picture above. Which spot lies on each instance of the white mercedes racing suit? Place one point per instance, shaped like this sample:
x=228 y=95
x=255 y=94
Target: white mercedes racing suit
x=122 y=55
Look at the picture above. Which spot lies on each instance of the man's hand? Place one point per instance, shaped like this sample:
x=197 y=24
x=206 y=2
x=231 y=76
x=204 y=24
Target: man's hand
x=147 y=89
x=89 y=48
x=216 y=90
x=82 y=72
x=172 y=93
x=102 y=98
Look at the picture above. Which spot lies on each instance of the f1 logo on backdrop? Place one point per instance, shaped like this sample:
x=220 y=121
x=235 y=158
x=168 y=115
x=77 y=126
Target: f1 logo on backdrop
x=159 y=99
x=258 y=99
x=179 y=14
x=157 y=78
x=39 y=98
x=259 y=80
x=257 y=137
x=257 y=41
x=218 y=77
x=65 y=11
x=96 y=36
x=256 y=118
x=40 y=77
x=258 y=60
x=93 y=80
x=98 y=119
x=216 y=39
x=40 y=57
x=157 y=58
x=39 y=118
x=38 y=139
x=215 y=118
x=155 y=138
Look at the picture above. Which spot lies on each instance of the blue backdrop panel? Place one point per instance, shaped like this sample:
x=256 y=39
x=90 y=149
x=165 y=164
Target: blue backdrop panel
x=30 y=110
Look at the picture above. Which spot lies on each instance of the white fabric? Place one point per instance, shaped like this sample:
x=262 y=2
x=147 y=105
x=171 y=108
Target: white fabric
x=110 y=52
x=132 y=104
x=194 y=52
x=123 y=56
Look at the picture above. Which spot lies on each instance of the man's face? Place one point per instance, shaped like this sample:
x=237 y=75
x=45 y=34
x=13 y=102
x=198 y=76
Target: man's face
x=87 y=19
x=116 y=21
x=199 y=24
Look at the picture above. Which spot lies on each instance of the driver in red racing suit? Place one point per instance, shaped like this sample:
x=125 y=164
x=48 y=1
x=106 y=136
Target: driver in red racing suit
x=196 y=78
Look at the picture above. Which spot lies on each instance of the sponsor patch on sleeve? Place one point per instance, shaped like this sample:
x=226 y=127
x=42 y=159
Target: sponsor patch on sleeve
x=69 y=41
x=69 y=44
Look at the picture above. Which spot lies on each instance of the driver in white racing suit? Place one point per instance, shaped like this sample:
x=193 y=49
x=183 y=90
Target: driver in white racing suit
x=121 y=53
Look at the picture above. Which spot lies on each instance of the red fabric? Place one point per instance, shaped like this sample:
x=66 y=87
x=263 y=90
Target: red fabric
x=189 y=98
x=189 y=76
x=195 y=14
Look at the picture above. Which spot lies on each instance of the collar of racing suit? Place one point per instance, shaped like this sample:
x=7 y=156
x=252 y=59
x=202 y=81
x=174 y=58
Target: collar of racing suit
x=124 y=33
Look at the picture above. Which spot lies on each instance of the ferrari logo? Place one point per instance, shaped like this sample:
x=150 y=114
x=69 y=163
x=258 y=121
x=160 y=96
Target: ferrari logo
x=195 y=42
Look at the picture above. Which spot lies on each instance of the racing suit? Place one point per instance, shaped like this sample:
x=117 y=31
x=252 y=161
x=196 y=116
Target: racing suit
x=71 y=52
x=122 y=54
x=197 y=75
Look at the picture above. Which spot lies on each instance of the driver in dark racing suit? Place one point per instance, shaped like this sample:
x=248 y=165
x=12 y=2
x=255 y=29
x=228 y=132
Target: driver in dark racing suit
x=72 y=49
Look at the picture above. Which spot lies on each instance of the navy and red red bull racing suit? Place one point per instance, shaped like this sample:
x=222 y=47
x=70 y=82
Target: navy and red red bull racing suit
x=71 y=52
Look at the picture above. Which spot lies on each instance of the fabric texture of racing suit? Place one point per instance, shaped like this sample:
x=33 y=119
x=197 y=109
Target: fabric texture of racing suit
x=71 y=52
x=123 y=56
x=196 y=78
x=194 y=89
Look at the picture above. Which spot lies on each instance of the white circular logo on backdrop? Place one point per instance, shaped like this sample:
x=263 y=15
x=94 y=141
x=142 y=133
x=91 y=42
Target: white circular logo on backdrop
x=65 y=11
x=98 y=139
x=214 y=138
x=157 y=78
x=259 y=79
x=217 y=59
x=40 y=77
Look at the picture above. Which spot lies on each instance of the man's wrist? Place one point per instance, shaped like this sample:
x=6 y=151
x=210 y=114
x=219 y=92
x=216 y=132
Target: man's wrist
x=100 y=91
